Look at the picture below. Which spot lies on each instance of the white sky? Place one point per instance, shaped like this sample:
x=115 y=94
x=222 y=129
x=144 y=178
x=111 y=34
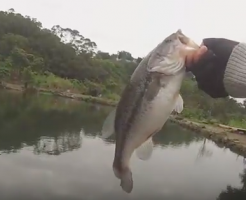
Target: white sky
x=137 y=26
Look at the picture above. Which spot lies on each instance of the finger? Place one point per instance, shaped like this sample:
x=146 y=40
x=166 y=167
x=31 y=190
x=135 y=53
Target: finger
x=194 y=57
x=189 y=59
x=199 y=53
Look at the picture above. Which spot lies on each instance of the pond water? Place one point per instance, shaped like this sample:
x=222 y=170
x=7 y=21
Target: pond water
x=50 y=150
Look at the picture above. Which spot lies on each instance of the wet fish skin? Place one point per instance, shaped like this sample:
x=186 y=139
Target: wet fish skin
x=146 y=103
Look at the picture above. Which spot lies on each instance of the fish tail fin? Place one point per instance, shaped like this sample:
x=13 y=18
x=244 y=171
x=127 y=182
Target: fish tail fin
x=126 y=180
x=125 y=175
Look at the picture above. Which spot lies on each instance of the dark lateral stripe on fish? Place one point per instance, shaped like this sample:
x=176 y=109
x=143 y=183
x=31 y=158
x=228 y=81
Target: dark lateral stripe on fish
x=121 y=135
x=120 y=142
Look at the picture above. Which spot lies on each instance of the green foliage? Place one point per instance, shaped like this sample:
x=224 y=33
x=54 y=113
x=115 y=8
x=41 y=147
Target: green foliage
x=200 y=107
x=4 y=71
x=237 y=123
x=60 y=58
x=50 y=81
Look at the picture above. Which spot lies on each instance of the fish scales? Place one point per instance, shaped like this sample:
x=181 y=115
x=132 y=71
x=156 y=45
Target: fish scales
x=126 y=114
x=146 y=103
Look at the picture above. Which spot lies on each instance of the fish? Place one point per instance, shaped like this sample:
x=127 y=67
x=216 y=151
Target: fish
x=151 y=95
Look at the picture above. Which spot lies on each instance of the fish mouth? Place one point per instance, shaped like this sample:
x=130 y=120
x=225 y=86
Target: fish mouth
x=188 y=42
x=188 y=46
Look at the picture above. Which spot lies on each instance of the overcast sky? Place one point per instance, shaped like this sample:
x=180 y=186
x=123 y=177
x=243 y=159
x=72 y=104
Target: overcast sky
x=138 y=25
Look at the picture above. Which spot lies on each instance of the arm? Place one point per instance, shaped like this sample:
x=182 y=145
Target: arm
x=235 y=72
x=221 y=70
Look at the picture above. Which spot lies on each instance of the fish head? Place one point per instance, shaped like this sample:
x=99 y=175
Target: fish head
x=169 y=56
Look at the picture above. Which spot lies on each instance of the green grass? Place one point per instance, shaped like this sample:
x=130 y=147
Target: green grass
x=50 y=81
x=237 y=123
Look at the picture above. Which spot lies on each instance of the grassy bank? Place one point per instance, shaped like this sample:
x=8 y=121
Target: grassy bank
x=65 y=94
x=223 y=137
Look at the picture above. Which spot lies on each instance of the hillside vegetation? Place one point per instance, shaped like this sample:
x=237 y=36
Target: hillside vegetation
x=62 y=59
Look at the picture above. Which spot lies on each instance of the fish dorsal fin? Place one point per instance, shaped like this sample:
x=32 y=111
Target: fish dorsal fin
x=108 y=125
x=144 y=151
x=179 y=104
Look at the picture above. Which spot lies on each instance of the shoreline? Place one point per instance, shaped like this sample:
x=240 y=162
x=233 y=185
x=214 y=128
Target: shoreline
x=64 y=94
x=221 y=136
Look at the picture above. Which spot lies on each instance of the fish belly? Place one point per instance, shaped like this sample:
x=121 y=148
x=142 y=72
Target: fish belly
x=149 y=121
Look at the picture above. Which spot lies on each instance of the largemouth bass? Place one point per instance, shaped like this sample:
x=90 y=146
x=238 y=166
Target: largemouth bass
x=147 y=102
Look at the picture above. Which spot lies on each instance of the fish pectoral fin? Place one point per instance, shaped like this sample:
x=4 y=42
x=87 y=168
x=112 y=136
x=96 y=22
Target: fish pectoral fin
x=144 y=151
x=179 y=105
x=108 y=125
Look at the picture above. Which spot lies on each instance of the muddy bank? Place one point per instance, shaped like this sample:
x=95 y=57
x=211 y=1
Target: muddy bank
x=64 y=94
x=222 y=137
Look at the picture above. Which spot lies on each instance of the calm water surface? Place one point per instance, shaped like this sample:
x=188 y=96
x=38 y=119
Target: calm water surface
x=50 y=150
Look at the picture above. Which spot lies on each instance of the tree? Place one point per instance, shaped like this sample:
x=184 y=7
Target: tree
x=27 y=76
x=125 y=56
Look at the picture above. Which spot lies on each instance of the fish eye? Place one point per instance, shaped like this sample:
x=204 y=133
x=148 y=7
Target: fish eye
x=168 y=40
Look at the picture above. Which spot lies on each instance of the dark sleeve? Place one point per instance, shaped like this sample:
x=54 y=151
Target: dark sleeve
x=209 y=75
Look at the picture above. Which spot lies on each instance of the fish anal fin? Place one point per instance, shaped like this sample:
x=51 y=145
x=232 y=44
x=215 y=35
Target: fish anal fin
x=144 y=151
x=179 y=104
x=108 y=125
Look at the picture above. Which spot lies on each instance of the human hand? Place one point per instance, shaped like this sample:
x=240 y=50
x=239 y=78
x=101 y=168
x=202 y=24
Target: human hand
x=209 y=66
x=193 y=57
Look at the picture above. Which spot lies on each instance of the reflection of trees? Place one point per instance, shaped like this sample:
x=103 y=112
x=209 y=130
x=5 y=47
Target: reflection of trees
x=173 y=135
x=170 y=135
x=203 y=152
x=24 y=120
x=235 y=193
x=58 y=145
x=53 y=126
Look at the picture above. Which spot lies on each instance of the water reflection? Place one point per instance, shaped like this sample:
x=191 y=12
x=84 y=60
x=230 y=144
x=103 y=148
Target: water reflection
x=47 y=122
x=174 y=138
x=38 y=120
x=235 y=193
x=170 y=136
x=203 y=151
x=58 y=145
x=50 y=149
